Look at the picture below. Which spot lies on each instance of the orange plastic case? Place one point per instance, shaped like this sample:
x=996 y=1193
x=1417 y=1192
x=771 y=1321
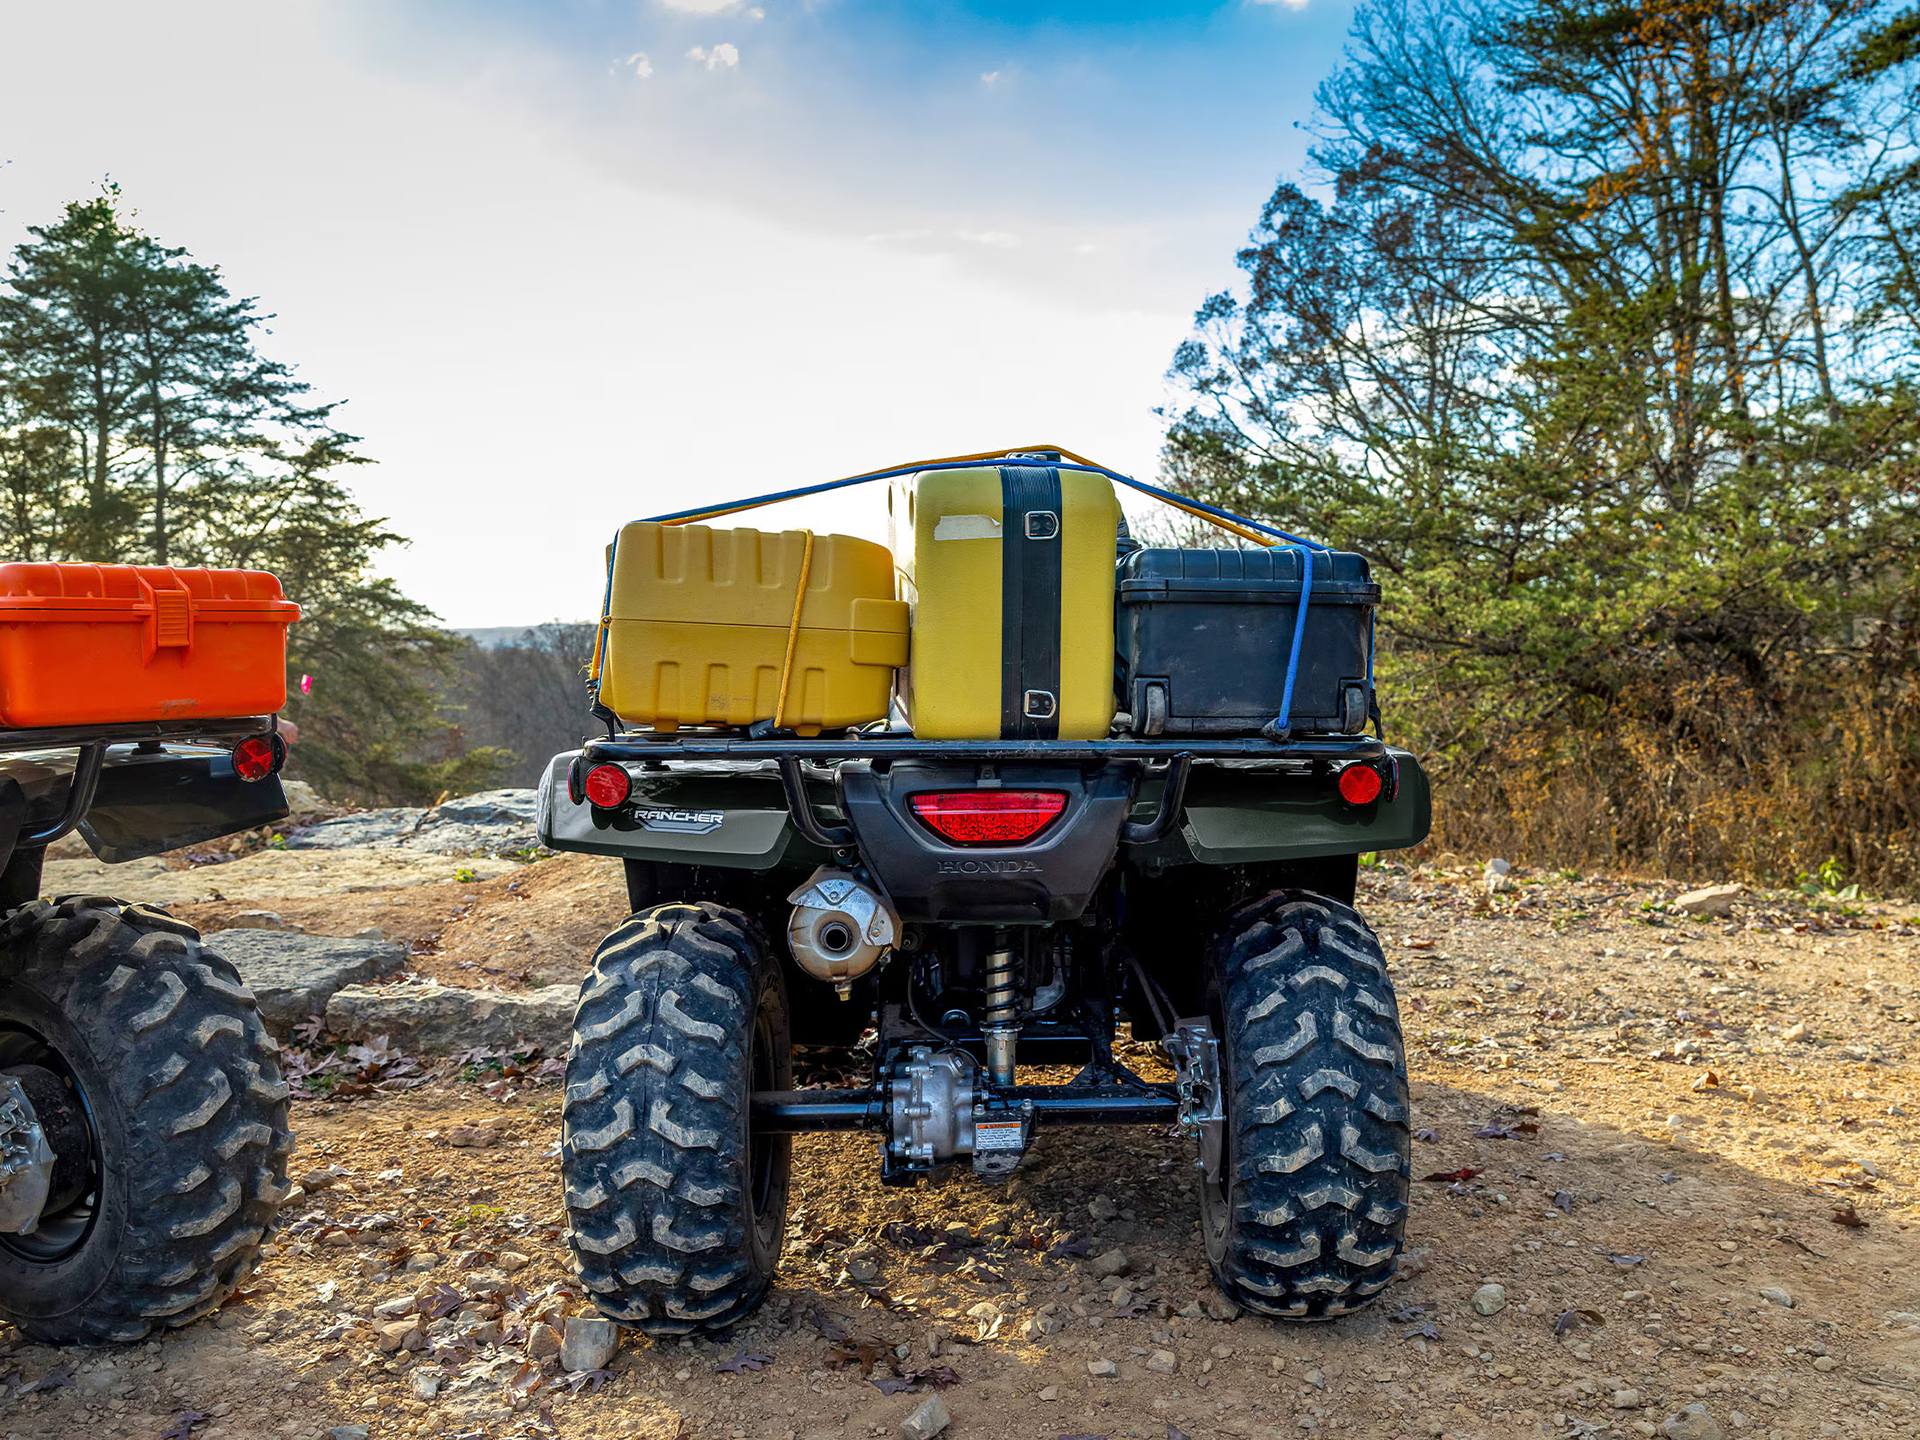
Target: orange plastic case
x=97 y=644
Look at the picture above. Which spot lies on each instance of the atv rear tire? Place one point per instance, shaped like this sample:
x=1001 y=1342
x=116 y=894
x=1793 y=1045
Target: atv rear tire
x=1309 y=1214
x=145 y=1050
x=677 y=1211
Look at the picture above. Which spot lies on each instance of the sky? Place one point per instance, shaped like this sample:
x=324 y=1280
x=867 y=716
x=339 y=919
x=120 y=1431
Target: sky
x=577 y=262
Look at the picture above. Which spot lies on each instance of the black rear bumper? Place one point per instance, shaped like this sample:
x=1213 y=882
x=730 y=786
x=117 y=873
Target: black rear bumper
x=126 y=791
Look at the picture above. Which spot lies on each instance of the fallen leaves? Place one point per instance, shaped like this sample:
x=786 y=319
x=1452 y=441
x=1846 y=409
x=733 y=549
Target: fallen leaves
x=1573 y=1319
x=1848 y=1217
x=744 y=1363
x=1455 y=1177
x=183 y=1425
x=1509 y=1123
x=864 y=1353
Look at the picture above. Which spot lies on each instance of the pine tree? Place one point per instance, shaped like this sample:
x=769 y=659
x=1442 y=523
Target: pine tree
x=139 y=423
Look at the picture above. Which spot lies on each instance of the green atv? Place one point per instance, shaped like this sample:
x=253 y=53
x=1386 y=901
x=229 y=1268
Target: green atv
x=983 y=905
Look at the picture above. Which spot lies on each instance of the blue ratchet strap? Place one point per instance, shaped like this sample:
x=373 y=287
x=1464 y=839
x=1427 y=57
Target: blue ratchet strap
x=1282 y=726
x=702 y=512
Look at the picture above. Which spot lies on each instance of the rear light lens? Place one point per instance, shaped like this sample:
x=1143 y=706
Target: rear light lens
x=988 y=817
x=1360 y=784
x=258 y=756
x=608 y=787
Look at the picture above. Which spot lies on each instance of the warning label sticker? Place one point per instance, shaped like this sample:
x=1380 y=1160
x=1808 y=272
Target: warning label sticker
x=996 y=1135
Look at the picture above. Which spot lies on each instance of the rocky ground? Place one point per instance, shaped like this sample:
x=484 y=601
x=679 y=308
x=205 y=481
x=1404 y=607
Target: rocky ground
x=1662 y=1161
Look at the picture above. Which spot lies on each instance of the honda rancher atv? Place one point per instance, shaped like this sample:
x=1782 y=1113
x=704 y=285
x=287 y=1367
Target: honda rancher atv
x=1115 y=783
x=143 y=1121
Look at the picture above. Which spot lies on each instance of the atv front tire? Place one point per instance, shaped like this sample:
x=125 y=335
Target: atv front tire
x=676 y=1210
x=145 y=1052
x=1307 y=1219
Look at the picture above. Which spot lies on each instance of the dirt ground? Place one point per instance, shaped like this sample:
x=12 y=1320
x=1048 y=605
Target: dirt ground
x=1684 y=1148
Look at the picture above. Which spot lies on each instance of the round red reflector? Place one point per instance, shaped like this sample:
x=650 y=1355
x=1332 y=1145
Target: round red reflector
x=257 y=757
x=988 y=817
x=608 y=786
x=1359 y=784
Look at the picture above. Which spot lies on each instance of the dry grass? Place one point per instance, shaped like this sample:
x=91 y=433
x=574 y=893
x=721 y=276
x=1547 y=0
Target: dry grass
x=1703 y=778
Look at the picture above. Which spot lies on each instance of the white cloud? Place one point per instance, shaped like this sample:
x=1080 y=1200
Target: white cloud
x=990 y=77
x=700 y=7
x=993 y=239
x=721 y=56
x=636 y=62
x=1290 y=4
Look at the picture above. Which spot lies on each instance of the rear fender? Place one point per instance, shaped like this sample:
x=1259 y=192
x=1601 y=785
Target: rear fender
x=693 y=815
x=150 y=801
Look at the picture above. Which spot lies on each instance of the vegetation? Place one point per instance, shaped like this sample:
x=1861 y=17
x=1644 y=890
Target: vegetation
x=1598 y=331
x=139 y=424
x=527 y=697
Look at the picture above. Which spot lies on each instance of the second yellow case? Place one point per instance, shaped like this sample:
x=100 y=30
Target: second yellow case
x=1010 y=572
x=697 y=624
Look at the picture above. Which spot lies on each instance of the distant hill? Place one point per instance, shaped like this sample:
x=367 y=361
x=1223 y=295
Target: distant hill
x=492 y=637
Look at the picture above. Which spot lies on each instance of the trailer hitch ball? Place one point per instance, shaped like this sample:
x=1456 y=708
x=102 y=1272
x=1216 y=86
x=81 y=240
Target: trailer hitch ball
x=841 y=927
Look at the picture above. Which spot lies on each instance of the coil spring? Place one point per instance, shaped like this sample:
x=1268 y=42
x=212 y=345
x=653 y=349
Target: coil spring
x=1003 y=999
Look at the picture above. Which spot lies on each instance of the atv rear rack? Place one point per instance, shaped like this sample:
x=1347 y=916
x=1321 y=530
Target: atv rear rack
x=1177 y=754
x=695 y=745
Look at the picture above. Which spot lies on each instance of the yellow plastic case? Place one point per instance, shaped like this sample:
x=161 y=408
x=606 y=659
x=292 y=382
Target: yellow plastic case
x=1009 y=570
x=698 y=621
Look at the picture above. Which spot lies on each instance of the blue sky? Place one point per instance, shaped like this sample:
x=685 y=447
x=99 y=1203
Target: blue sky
x=570 y=263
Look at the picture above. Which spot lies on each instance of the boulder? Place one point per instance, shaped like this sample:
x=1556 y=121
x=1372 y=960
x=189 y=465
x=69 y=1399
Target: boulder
x=446 y=1018
x=1714 y=900
x=589 y=1343
x=487 y=823
x=1692 y=1423
x=927 y=1419
x=294 y=976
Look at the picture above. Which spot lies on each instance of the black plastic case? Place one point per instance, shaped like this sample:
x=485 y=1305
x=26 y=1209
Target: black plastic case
x=1204 y=635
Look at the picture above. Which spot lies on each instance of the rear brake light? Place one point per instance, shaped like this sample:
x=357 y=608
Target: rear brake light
x=608 y=786
x=1360 y=784
x=258 y=756
x=988 y=817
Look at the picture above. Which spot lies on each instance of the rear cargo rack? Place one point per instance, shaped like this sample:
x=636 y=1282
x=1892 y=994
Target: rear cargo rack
x=686 y=746
x=791 y=753
x=180 y=732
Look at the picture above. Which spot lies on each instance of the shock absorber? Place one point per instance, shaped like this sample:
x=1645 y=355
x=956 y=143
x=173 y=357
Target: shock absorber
x=1001 y=1024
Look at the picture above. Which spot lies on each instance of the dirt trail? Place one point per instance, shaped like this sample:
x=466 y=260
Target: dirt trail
x=1650 y=1128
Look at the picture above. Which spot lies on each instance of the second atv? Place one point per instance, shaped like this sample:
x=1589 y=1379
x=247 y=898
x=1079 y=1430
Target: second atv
x=1112 y=783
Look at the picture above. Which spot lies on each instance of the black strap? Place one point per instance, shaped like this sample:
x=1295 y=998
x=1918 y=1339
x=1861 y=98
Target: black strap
x=1030 y=526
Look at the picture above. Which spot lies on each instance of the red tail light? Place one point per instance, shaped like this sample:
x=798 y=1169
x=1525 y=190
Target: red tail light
x=608 y=786
x=1360 y=784
x=258 y=756
x=988 y=817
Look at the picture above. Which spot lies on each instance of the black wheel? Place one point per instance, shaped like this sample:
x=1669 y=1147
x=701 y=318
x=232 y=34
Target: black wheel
x=677 y=1211
x=145 y=1060
x=1310 y=1210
